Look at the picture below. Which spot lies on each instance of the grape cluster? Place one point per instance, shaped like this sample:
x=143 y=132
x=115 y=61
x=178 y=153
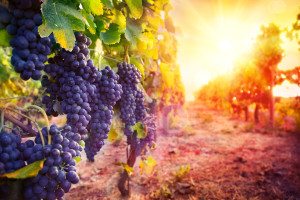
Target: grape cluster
x=86 y=95
x=132 y=101
x=107 y=94
x=133 y=109
x=10 y=155
x=59 y=170
x=70 y=85
x=30 y=51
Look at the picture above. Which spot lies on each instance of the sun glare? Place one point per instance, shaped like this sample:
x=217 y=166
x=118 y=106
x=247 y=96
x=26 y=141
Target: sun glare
x=286 y=89
x=212 y=35
x=225 y=46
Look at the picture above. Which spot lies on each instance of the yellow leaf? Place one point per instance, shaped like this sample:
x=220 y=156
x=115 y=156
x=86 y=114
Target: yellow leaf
x=147 y=165
x=96 y=7
x=112 y=135
x=126 y=167
x=182 y=171
x=65 y=40
x=26 y=172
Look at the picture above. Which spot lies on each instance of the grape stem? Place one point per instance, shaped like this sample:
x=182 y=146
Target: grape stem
x=9 y=98
x=35 y=123
x=2 y=120
x=41 y=110
x=2 y=114
x=126 y=54
x=19 y=124
x=108 y=57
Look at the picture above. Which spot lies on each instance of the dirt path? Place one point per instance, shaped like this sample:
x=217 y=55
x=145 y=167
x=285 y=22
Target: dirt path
x=226 y=160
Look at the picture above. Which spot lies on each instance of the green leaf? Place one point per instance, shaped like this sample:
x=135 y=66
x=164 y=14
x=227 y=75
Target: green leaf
x=112 y=35
x=90 y=18
x=132 y=32
x=108 y=3
x=4 y=38
x=100 y=25
x=77 y=159
x=61 y=20
x=119 y=19
x=140 y=129
x=28 y=171
x=93 y=6
x=135 y=7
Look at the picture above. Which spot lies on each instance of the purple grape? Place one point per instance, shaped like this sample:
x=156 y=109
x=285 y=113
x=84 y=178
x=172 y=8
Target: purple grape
x=26 y=42
x=59 y=170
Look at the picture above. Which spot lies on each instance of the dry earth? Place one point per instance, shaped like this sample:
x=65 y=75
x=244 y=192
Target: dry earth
x=227 y=160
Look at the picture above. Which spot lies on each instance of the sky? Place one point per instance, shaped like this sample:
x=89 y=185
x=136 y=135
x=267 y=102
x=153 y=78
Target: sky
x=212 y=34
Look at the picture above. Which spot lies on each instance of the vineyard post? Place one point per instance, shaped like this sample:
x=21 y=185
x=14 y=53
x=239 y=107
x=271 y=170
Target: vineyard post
x=271 y=104
x=246 y=110
x=256 y=113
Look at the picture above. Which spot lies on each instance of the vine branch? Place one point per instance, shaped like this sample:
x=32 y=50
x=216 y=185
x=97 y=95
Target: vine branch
x=17 y=122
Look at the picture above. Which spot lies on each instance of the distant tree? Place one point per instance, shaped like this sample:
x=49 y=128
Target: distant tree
x=267 y=55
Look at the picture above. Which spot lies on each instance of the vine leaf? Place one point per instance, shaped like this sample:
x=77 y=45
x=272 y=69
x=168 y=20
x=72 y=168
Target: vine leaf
x=113 y=135
x=93 y=6
x=132 y=32
x=90 y=18
x=101 y=26
x=120 y=19
x=150 y=2
x=28 y=171
x=61 y=20
x=147 y=165
x=140 y=129
x=135 y=7
x=4 y=38
x=112 y=35
x=126 y=168
x=108 y=3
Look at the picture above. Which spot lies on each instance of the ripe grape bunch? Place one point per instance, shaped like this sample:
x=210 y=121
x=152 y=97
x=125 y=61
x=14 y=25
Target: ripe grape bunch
x=107 y=94
x=86 y=95
x=59 y=170
x=132 y=101
x=10 y=157
x=70 y=85
x=30 y=51
x=133 y=109
x=10 y=154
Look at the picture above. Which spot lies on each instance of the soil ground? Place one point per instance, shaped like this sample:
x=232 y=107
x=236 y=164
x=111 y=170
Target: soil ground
x=228 y=159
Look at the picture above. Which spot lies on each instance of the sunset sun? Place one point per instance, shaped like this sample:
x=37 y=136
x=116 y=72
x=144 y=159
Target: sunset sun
x=222 y=35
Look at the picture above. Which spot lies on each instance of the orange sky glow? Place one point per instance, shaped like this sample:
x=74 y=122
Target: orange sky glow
x=212 y=34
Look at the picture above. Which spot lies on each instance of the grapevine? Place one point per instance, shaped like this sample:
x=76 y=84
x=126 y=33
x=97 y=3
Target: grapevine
x=50 y=48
